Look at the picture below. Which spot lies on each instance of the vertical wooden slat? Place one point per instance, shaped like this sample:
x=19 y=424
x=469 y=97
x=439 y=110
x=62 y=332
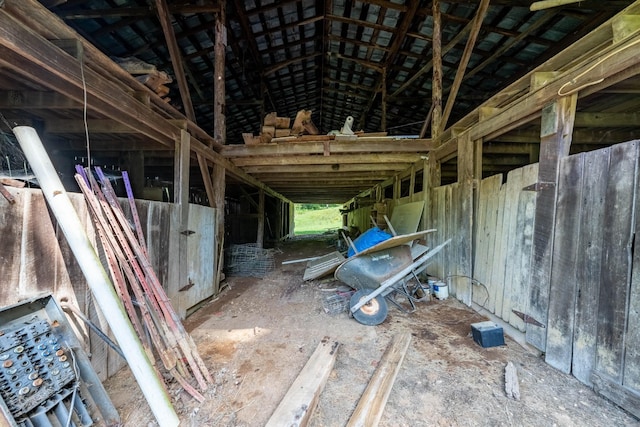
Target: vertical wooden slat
x=588 y=263
x=482 y=236
x=555 y=141
x=616 y=261
x=486 y=249
x=631 y=371
x=514 y=187
x=563 y=287
x=522 y=257
x=496 y=286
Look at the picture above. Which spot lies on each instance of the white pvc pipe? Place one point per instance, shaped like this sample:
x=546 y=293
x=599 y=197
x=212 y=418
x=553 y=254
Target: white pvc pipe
x=96 y=276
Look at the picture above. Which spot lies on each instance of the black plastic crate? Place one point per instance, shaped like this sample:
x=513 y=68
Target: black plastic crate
x=487 y=334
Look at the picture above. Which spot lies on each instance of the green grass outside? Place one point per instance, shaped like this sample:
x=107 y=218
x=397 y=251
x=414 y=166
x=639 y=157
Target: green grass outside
x=317 y=221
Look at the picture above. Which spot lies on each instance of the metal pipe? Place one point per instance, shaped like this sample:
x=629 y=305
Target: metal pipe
x=105 y=295
x=70 y=308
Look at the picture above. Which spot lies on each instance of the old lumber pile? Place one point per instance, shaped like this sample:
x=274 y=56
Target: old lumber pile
x=155 y=321
x=148 y=75
x=278 y=127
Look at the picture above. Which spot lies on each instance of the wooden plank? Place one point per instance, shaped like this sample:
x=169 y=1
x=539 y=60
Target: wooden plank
x=436 y=85
x=464 y=61
x=588 y=263
x=372 y=402
x=298 y=404
x=514 y=187
x=525 y=224
x=607 y=387
x=482 y=237
x=556 y=132
x=496 y=287
x=487 y=248
x=631 y=372
x=11 y=230
x=563 y=287
x=616 y=261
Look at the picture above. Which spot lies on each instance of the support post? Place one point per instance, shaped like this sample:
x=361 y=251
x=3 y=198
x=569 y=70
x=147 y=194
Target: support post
x=436 y=86
x=260 y=236
x=383 y=124
x=468 y=153
x=555 y=141
x=219 y=119
x=181 y=198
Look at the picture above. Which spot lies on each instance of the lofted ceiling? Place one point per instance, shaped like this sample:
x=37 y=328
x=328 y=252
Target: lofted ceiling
x=371 y=60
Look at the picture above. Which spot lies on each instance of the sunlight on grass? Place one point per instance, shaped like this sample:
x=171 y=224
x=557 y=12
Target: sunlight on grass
x=316 y=219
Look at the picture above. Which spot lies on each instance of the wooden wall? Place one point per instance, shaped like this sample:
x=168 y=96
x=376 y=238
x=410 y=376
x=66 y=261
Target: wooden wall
x=503 y=242
x=594 y=305
x=35 y=259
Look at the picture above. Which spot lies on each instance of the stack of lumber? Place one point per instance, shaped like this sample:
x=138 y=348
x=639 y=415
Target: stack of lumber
x=148 y=75
x=152 y=316
x=274 y=127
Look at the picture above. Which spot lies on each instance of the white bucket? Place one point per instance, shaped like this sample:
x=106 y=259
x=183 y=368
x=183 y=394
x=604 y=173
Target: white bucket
x=441 y=290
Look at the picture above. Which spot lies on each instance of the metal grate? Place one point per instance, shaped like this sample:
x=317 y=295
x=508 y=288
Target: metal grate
x=249 y=260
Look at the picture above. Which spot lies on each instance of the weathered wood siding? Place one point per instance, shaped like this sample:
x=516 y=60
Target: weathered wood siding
x=36 y=259
x=594 y=301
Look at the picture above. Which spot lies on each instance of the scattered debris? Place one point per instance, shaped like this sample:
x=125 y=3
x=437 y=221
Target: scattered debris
x=511 y=386
x=147 y=74
x=303 y=124
x=337 y=302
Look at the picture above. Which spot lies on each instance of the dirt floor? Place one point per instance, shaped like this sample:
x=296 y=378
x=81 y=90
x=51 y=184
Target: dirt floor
x=259 y=333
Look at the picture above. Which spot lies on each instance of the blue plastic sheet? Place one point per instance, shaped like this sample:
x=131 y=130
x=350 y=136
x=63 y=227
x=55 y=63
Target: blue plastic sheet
x=369 y=238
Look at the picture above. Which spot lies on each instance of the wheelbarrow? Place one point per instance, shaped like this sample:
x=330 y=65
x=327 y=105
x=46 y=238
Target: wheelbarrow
x=384 y=271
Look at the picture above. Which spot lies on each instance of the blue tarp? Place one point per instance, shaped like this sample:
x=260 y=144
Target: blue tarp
x=369 y=238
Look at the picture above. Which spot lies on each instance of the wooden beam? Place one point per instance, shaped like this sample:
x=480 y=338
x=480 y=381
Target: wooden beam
x=328 y=160
x=436 y=86
x=371 y=405
x=361 y=145
x=218 y=176
x=607 y=120
x=464 y=61
x=426 y=67
x=34 y=100
x=329 y=168
x=119 y=12
x=297 y=406
x=94 y=125
x=261 y=218
x=176 y=58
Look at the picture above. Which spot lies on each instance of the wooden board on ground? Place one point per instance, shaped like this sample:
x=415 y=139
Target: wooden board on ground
x=298 y=404
x=323 y=265
x=373 y=400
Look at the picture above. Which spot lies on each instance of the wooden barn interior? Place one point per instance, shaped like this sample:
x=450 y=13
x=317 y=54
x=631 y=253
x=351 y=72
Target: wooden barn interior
x=515 y=123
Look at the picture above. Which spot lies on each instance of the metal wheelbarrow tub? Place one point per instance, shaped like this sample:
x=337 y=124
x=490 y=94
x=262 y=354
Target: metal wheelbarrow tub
x=375 y=275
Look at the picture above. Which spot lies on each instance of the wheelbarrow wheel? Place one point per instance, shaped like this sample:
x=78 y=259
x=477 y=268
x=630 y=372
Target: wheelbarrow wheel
x=373 y=312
